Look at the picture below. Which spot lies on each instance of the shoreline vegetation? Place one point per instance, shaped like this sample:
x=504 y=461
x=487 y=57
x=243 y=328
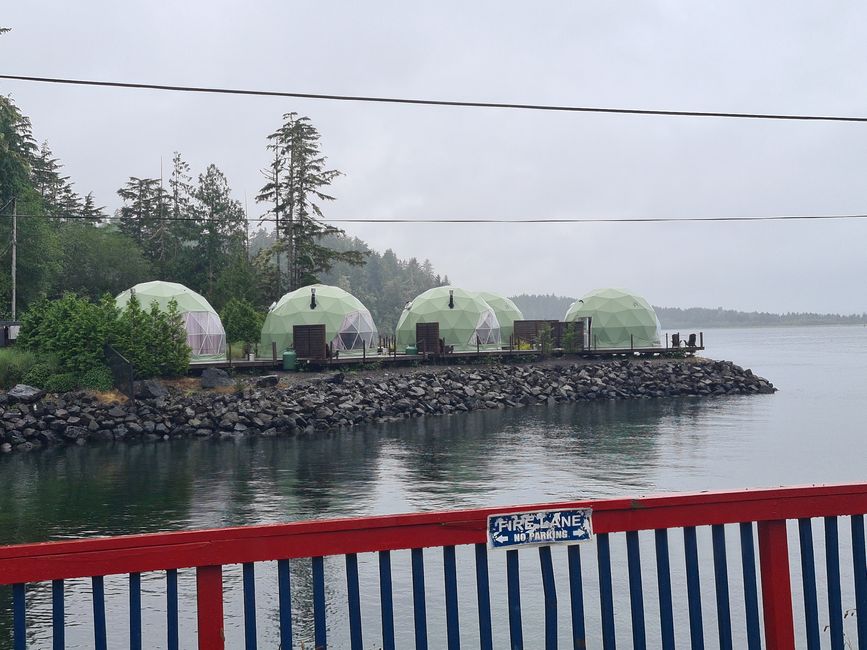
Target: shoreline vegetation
x=541 y=306
x=294 y=404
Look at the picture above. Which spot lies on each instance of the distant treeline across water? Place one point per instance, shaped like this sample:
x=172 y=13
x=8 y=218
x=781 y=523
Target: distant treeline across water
x=554 y=307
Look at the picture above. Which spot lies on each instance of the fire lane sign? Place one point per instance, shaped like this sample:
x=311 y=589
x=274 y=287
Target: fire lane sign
x=523 y=529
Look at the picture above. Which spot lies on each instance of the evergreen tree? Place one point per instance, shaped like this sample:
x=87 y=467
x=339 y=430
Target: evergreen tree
x=222 y=227
x=297 y=183
x=37 y=243
x=143 y=217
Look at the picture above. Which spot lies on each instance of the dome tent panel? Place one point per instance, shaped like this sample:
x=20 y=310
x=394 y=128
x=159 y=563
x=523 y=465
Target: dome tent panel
x=507 y=313
x=205 y=334
x=461 y=314
x=620 y=319
x=349 y=327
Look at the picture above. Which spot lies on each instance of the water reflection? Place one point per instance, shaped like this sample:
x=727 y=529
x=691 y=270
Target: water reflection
x=421 y=464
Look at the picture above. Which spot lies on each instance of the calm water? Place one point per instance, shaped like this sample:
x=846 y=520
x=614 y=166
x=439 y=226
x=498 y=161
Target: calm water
x=812 y=431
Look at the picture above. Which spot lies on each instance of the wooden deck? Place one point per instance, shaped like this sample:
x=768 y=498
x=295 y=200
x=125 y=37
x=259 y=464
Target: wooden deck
x=398 y=360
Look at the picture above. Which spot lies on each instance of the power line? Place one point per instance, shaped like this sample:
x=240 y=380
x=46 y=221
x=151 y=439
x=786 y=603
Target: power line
x=434 y=102
x=575 y=220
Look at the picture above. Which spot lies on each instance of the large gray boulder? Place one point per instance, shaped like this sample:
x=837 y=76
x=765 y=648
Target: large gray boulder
x=150 y=388
x=267 y=381
x=24 y=394
x=215 y=378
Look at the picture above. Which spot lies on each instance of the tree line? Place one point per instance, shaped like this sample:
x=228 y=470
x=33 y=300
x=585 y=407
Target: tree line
x=189 y=228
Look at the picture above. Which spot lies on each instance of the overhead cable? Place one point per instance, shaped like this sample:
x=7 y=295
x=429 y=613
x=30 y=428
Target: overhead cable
x=435 y=102
x=788 y=217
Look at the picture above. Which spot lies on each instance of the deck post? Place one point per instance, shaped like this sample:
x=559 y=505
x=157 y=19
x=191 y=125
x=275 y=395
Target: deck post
x=209 y=596
x=701 y=340
x=776 y=585
x=274 y=351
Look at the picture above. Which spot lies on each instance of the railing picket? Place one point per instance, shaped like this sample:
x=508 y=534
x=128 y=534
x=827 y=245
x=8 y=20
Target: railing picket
x=693 y=588
x=513 y=583
x=550 y=589
x=450 y=577
x=58 y=616
x=835 y=600
x=172 y=631
x=209 y=607
x=249 y=580
x=576 y=598
x=319 y=629
x=721 y=582
x=776 y=584
x=135 y=611
x=284 y=589
x=859 y=564
x=354 y=601
x=19 y=615
x=663 y=582
x=483 y=598
x=606 y=595
x=636 y=595
x=751 y=593
x=100 y=641
x=386 y=600
x=418 y=599
x=808 y=579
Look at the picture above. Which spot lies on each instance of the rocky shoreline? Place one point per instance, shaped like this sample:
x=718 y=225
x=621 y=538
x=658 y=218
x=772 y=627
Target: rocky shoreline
x=31 y=420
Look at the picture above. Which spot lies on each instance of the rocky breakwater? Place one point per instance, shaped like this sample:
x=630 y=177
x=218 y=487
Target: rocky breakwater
x=30 y=419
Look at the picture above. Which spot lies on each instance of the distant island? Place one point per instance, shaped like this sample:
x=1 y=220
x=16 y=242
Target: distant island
x=542 y=306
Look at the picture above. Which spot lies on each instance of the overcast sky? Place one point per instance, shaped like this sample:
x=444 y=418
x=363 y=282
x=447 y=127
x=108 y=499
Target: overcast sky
x=420 y=162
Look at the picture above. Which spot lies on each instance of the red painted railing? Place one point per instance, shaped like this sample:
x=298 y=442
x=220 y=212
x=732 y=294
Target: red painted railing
x=209 y=550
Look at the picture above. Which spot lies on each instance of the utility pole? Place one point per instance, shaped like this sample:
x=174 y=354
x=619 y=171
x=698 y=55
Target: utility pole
x=14 y=258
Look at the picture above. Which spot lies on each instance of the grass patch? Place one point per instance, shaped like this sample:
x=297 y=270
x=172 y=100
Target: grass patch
x=14 y=364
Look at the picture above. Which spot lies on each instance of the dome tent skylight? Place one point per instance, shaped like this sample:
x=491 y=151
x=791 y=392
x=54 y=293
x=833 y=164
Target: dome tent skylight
x=205 y=334
x=462 y=316
x=620 y=319
x=348 y=324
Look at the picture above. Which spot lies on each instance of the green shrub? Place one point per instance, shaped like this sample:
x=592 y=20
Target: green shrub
x=39 y=374
x=72 y=328
x=14 y=365
x=153 y=341
x=97 y=379
x=76 y=330
x=242 y=323
x=62 y=382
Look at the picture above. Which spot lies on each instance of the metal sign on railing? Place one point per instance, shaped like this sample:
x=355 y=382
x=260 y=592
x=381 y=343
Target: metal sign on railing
x=523 y=529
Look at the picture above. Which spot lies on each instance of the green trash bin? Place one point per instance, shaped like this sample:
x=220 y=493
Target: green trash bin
x=290 y=360
x=411 y=350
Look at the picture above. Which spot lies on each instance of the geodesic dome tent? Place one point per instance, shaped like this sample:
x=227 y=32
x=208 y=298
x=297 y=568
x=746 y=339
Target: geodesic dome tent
x=462 y=316
x=348 y=324
x=507 y=313
x=205 y=334
x=620 y=319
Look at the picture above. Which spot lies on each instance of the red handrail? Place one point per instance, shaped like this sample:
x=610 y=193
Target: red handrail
x=160 y=551
x=209 y=550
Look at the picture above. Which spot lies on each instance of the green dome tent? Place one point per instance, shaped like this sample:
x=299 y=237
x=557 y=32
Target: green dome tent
x=463 y=316
x=620 y=319
x=348 y=324
x=507 y=313
x=205 y=334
